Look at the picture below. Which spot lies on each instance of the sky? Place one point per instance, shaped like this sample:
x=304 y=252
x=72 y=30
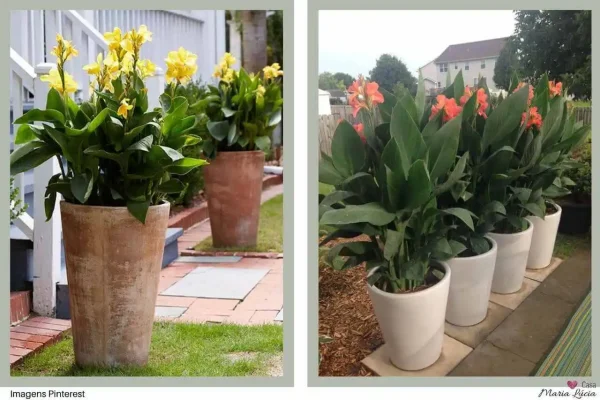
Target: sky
x=351 y=41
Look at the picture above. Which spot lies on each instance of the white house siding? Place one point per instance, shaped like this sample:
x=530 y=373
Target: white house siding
x=471 y=74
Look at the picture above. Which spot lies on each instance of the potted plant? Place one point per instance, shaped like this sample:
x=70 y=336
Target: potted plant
x=577 y=206
x=388 y=178
x=118 y=162
x=243 y=111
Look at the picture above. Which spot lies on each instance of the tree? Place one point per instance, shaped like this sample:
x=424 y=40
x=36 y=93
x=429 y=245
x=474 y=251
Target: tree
x=275 y=38
x=506 y=65
x=558 y=42
x=389 y=71
x=327 y=81
x=347 y=79
x=254 y=40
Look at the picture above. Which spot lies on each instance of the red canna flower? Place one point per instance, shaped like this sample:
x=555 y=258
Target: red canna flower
x=555 y=88
x=360 y=129
x=535 y=119
x=482 y=103
x=363 y=94
x=530 y=98
x=451 y=109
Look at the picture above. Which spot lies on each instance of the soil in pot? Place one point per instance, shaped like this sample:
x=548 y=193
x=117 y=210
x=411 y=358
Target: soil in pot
x=470 y=286
x=412 y=324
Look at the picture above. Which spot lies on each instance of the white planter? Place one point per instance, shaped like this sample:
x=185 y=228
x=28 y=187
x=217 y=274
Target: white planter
x=542 y=242
x=412 y=324
x=470 y=287
x=511 y=261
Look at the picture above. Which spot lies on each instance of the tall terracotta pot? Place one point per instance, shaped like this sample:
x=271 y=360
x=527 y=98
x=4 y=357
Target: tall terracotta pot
x=233 y=186
x=113 y=269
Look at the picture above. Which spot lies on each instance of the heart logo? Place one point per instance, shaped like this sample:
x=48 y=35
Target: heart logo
x=572 y=384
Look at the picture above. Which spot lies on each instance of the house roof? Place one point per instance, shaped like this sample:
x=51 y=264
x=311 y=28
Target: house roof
x=473 y=50
x=337 y=93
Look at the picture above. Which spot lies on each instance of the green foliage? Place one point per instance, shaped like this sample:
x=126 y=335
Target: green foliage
x=581 y=190
x=387 y=189
x=506 y=65
x=329 y=81
x=17 y=207
x=345 y=78
x=275 y=38
x=557 y=42
x=112 y=159
x=389 y=70
x=242 y=114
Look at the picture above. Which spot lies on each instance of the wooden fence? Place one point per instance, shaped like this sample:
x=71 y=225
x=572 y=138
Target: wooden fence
x=327 y=123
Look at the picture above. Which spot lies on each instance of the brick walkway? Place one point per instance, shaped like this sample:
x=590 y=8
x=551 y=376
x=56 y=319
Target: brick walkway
x=33 y=334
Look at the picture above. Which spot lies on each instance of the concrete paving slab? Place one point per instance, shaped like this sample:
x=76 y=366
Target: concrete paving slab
x=531 y=329
x=169 y=312
x=540 y=275
x=513 y=300
x=489 y=360
x=279 y=316
x=217 y=283
x=208 y=259
x=571 y=281
x=472 y=336
x=453 y=352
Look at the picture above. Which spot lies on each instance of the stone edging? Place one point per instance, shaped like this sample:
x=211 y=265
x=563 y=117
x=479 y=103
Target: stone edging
x=244 y=254
x=188 y=218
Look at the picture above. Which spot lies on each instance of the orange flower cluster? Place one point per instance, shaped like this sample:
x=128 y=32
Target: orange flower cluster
x=530 y=98
x=363 y=94
x=535 y=119
x=449 y=107
x=482 y=103
x=555 y=88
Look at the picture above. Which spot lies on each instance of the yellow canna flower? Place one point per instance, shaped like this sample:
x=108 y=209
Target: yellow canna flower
x=114 y=39
x=181 y=66
x=63 y=50
x=260 y=90
x=146 y=68
x=124 y=108
x=228 y=60
x=127 y=63
x=94 y=68
x=133 y=40
x=218 y=71
x=272 y=72
x=55 y=82
x=229 y=75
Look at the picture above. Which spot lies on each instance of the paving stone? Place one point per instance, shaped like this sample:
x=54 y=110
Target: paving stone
x=489 y=360
x=472 y=336
x=35 y=324
x=531 y=329
x=241 y=317
x=30 y=338
x=165 y=283
x=540 y=274
x=571 y=281
x=202 y=318
x=279 y=316
x=176 y=270
x=14 y=359
x=453 y=352
x=34 y=331
x=513 y=300
x=18 y=351
x=263 y=317
x=217 y=283
x=24 y=344
x=173 y=301
x=169 y=312
x=54 y=321
x=213 y=306
x=208 y=259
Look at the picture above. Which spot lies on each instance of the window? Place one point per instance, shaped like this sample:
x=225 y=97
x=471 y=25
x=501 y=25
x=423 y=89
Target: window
x=466 y=66
x=482 y=64
x=444 y=67
x=475 y=82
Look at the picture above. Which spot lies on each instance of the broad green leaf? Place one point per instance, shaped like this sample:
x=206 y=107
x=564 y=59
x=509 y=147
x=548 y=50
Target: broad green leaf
x=456 y=174
x=420 y=97
x=336 y=197
x=419 y=185
x=174 y=155
x=406 y=133
x=327 y=172
x=385 y=108
x=347 y=150
x=443 y=146
x=461 y=213
x=177 y=111
x=232 y=134
x=139 y=209
x=54 y=101
x=26 y=133
x=275 y=118
x=30 y=156
x=185 y=165
x=184 y=125
x=393 y=241
x=263 y=143
x=458 y=86
x=36 y=115
x=173 y=186
x=98 y=120
x=505 y=118
x=218 y=130
x=144 y=144
x=372 y=213
x=535 y=210
x=81 y=187
x=227 y=112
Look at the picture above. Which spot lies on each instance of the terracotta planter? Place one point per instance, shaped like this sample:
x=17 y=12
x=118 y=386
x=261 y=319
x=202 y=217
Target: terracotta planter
x=412 y=324
x=511 y=261
x=233 y=187
x=543 y=239
x=470 y=287
x=113 y=269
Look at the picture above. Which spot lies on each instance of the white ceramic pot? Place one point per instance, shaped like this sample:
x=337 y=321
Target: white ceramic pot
x=542 y=242
x=470 y=287
x=511 y=260
x=412 y=324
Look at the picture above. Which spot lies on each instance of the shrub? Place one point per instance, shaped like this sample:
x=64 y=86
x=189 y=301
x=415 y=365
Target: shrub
x=17 y=207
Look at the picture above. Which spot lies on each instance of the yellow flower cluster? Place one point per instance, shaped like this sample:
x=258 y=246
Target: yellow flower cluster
x=272 y=72
x=181 y=66
x=57 y=78
x=124 y=108
x=223 y=69
x=133 y=40
x=56 y=82
x=105 y=72
x=63 y=50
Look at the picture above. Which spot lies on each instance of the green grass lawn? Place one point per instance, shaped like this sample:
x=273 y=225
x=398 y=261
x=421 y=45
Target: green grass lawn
x=580 y=103
x=179 y=349
x=270 y=230
x=566 y=245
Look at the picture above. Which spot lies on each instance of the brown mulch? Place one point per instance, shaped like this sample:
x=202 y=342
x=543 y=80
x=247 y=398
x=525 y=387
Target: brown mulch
x=346 y=316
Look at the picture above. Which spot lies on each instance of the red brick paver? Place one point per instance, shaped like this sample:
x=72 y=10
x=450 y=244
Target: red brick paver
x=33 y=334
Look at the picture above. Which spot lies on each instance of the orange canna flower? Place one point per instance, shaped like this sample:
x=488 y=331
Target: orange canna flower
x=535 y=119
x=360 y=129
x=530 y=98
x=482 y=103
x=363 y=94
x=451 y=109
x=555 y=88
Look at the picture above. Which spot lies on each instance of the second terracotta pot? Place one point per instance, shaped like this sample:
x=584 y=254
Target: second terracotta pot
x=233 y=187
